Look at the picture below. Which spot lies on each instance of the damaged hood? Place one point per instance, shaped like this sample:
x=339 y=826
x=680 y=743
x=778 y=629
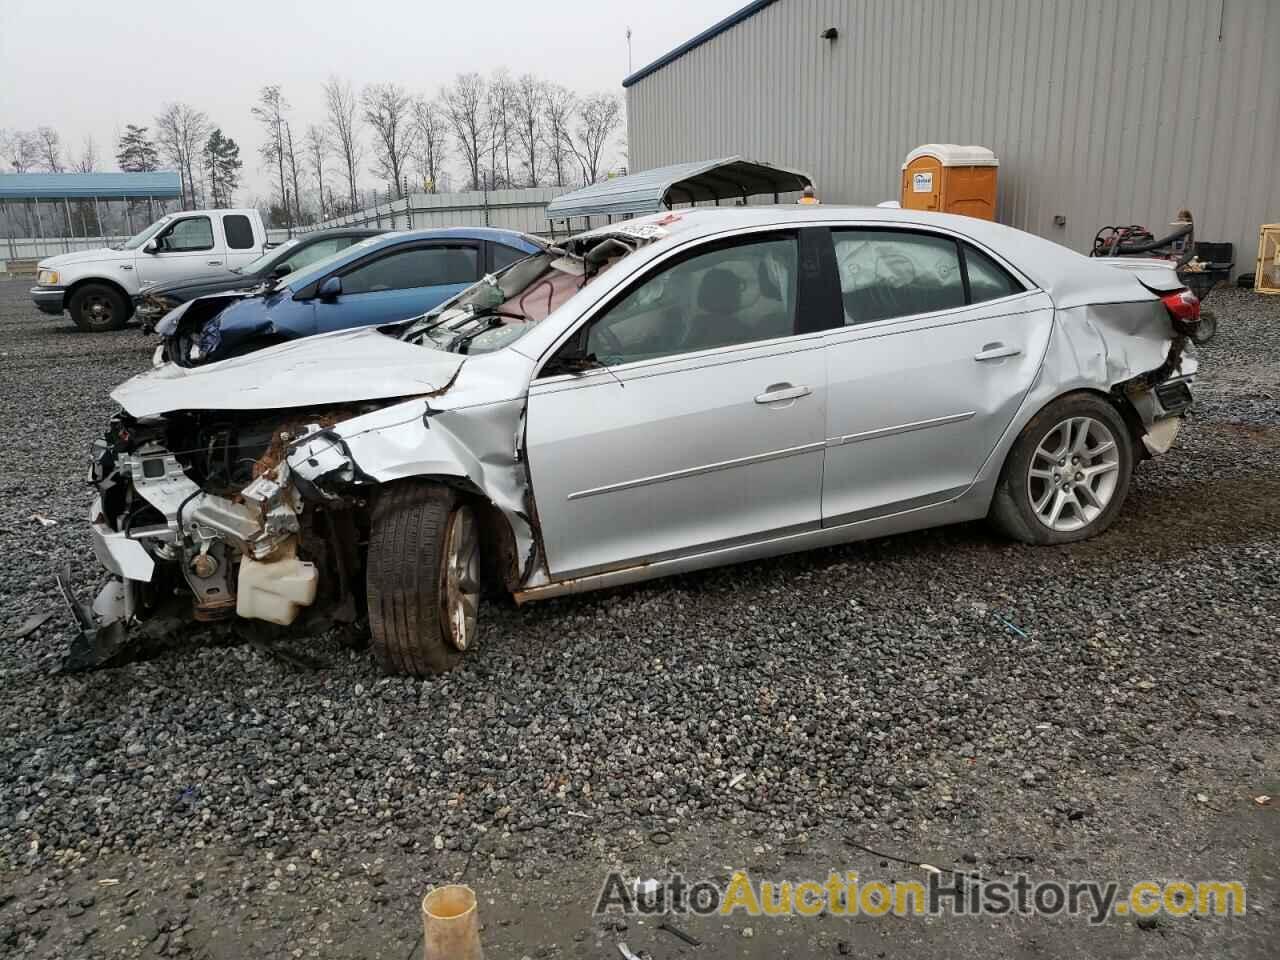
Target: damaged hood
x=343 y=367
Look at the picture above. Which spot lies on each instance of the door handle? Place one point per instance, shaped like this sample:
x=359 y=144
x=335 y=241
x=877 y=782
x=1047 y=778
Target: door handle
x=214 y=263
x=782 y=391
x=996 y=351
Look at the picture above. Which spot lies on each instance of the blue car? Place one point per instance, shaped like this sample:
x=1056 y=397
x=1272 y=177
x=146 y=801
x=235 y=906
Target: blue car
x=385 y=278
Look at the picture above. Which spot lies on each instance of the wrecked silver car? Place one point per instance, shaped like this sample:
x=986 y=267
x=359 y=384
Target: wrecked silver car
x=679 y=391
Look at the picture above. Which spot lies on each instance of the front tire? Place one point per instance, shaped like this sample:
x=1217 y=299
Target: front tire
x=1068 y=473
x=423 y=584
x=97 y=308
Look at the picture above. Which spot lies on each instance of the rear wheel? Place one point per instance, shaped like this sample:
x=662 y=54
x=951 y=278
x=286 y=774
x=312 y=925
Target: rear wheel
x=1068 y=473
x=424 y=579
x=96 y=308
x=1207 y=328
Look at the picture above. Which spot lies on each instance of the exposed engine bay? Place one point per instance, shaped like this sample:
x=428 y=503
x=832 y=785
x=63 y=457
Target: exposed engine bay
x=206 y=509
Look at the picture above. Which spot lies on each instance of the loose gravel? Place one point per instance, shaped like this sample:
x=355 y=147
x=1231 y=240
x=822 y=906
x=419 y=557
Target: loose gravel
x=945 y=677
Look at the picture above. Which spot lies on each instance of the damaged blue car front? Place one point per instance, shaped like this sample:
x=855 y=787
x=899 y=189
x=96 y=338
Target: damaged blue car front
x=378 y=280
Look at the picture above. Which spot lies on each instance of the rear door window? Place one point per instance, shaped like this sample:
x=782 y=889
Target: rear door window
x=239 y=231
x=316 y=252
x=896 y=273
x=987 y=279
x=416 y=267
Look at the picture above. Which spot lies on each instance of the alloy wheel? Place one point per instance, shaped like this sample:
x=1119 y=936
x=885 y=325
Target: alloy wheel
x=462 y=578
x=1073 y=474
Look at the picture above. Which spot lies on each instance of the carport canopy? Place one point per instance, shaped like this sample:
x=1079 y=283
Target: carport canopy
x=731 y=178
x=87 y=186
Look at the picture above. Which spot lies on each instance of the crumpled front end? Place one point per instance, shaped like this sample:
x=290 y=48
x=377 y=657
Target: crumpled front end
x=192 y=332
x=200 y=515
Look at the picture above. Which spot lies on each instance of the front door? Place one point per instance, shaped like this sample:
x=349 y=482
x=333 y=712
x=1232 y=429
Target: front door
x=702 y=424
x=399 y=283
x=186 y=249
x=939 y=346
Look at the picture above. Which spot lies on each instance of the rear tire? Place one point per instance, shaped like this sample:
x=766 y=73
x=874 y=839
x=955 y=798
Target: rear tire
x=1068 y=473
x=97 y=308
x=423 y=585
x=1207 y=328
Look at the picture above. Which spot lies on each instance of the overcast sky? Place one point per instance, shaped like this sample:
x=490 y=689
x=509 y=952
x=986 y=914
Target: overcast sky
x=92 y=66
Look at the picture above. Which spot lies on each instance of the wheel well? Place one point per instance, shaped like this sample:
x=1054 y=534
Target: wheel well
x=1124 y=407
x=500 y=557
x=102 y=281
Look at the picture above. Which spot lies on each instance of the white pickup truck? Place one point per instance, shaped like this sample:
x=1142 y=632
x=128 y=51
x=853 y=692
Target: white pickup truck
x=97 y=286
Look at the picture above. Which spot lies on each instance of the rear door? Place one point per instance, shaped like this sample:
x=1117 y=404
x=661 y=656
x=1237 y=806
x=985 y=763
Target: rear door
x=399 y=283
x=939 y=344
x=704 y=426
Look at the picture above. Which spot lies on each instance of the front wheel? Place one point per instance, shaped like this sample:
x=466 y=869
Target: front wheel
x=97 y=308
x=1068 y=473
x=423 y=584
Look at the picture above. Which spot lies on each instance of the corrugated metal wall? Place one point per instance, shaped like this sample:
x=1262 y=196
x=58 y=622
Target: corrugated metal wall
x=1103 y=111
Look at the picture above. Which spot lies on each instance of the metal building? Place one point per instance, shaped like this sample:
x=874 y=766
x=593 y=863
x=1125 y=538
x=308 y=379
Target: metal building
x=1100 y=111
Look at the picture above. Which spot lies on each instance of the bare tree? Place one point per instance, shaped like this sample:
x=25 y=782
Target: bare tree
x=181 y=131
x=317 y=146
x=557 y=111
x=529 y=94
x=388 y=109
x=270 y=112
x=464 y=104
x=291 y=160
x=597 y=118
x=430 y=149
x=50 y=142
x=502 y=104
x=21 y=149
x=340 y=100
x=87 y=162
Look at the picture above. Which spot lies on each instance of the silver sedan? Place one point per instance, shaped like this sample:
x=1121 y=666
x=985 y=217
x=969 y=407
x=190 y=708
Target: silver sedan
x=675 y=392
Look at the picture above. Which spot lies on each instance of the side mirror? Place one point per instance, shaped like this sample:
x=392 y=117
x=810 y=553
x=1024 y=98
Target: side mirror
x=330 y=289
x=282 y=270
x=151 y=246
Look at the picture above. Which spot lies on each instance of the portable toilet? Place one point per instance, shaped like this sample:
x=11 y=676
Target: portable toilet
x=950 y=178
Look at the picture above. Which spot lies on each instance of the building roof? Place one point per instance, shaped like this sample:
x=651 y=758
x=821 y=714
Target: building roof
x=106 y=186
x=713 y=31
x=731 y=178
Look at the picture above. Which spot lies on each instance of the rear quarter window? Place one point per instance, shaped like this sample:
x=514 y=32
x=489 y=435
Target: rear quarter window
x=239 y=231
x=987 y=279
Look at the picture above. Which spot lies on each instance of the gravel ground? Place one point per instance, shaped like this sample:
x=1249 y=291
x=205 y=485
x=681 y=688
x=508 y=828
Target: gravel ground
x=946 y=695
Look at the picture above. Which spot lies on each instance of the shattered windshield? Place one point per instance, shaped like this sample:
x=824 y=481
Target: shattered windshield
x=502 y=307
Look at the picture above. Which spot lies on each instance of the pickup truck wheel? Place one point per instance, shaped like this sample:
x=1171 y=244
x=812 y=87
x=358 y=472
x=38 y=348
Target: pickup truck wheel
x=423 y=579
x=1068 y=473
x=96 y=308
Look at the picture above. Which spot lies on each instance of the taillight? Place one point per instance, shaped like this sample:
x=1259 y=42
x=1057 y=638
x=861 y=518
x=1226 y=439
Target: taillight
x=1184 y=306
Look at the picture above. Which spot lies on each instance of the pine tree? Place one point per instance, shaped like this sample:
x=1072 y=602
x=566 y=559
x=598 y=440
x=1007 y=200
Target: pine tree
x=222 y=164
x=137 y=154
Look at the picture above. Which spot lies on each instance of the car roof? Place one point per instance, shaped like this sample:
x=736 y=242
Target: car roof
x=377 y=241
x=1069 y=277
